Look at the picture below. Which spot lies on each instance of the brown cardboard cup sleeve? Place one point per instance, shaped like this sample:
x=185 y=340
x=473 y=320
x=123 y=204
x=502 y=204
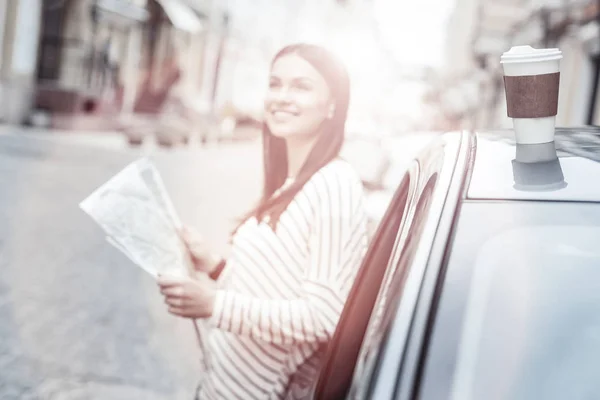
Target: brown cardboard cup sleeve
x=534 y=96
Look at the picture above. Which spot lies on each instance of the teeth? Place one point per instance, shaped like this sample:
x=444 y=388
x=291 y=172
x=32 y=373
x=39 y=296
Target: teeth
x=282 y=113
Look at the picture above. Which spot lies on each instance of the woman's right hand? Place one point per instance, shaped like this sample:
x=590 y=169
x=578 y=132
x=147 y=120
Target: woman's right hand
x=202 y=259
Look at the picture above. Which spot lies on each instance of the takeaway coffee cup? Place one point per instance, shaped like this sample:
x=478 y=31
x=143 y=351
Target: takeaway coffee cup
x=531 y=79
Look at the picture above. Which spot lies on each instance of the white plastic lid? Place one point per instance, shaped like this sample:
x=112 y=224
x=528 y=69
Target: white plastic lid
x=519 y=54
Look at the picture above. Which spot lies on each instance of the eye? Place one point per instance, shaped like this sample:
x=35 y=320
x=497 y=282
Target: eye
x=274 y=83
x=303 y=86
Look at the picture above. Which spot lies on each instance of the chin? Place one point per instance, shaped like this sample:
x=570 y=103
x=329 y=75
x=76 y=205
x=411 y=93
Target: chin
x=282 y=134
x=282 y=131
x=289 y=131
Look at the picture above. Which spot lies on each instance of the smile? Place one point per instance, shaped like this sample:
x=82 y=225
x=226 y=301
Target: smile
x=283 y=114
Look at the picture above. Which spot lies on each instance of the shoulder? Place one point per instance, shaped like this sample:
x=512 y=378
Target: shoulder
x=339 y=168
x=337 y=171
x=336 y=182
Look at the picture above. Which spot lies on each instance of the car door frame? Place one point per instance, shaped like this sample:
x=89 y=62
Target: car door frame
x=399 y=353
x=322 y=385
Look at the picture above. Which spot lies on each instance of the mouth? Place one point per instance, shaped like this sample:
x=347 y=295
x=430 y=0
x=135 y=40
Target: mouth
x=282 y=115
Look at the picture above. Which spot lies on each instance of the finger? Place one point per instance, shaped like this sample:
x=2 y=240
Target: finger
x=198 y=250
x=169 y=281
x=187 y=230
x=202 y=278
x=181 y=312
x=185 y=235
x=198 y=275
x=191 y=235
x=178 y=311
x=174 y=301
x=172 y=291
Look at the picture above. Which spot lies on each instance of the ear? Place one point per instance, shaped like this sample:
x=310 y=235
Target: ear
x=331 y=111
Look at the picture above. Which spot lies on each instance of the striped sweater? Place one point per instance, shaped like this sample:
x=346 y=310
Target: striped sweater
x=282 y=292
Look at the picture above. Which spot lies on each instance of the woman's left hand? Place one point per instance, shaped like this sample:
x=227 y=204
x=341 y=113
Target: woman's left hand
x=189 y=298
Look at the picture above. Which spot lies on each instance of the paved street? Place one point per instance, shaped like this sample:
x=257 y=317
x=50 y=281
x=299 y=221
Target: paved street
x=78 y=320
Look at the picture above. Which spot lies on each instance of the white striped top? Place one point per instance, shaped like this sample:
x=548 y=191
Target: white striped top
x=281 y=294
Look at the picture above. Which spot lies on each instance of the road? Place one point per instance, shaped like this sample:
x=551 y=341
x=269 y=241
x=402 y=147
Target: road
x=78 y=320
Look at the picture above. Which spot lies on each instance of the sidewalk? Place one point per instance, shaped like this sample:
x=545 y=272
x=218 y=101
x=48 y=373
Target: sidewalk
x=105 y=139
x=114 y=140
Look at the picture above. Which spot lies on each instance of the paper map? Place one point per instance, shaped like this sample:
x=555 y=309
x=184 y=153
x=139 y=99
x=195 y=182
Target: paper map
x=136 y=213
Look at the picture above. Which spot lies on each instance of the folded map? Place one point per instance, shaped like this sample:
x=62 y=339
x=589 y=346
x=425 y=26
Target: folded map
x=137 y=215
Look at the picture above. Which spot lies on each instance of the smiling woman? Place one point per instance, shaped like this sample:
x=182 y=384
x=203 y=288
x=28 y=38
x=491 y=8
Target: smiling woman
x=266 y=312
x=298 y=100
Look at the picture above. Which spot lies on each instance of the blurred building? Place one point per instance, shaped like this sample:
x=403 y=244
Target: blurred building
x=173 y=53
x=19 y=23
x=470 y=91
x=59 y=55
x=83 y=61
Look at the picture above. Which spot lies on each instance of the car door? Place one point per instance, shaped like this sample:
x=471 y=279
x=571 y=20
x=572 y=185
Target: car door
x=387 y=363
x=381 y=354
x=379 y=266
x=342 y=352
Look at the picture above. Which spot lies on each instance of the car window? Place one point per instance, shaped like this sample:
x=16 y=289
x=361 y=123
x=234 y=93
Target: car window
x=518 y=315
x=389 y=299
x=342 y=352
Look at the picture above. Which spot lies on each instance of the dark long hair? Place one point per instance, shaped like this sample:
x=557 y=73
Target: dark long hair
x=326 y=148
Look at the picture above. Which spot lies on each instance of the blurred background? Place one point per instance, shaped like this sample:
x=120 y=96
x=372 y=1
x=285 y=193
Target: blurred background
x=178 y=70
x=87 y=86
x=427 y=65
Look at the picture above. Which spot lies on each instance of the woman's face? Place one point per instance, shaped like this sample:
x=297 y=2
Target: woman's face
x=298 y=99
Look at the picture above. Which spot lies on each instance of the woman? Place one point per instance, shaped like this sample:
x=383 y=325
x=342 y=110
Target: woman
x=278 y=297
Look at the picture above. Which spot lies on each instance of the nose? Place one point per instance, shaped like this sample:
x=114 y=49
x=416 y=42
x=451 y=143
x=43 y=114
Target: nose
x=281 y=96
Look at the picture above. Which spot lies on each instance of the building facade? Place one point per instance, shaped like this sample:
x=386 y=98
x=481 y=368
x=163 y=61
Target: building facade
x=19 y=23
x=78 y=59
x=89 y=59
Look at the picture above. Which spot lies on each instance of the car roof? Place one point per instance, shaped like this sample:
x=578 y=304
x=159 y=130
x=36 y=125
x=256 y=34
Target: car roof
x=567 y=169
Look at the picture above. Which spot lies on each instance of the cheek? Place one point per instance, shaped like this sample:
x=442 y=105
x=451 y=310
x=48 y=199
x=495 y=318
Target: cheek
x=310 y=101
x=314 y=111
x=268 y=100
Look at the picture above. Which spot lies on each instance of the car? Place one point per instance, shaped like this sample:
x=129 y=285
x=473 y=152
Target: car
x=483 y=278
x=380 y=163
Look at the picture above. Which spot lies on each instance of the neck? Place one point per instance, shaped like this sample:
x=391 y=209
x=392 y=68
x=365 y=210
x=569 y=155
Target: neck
x=297 y=152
